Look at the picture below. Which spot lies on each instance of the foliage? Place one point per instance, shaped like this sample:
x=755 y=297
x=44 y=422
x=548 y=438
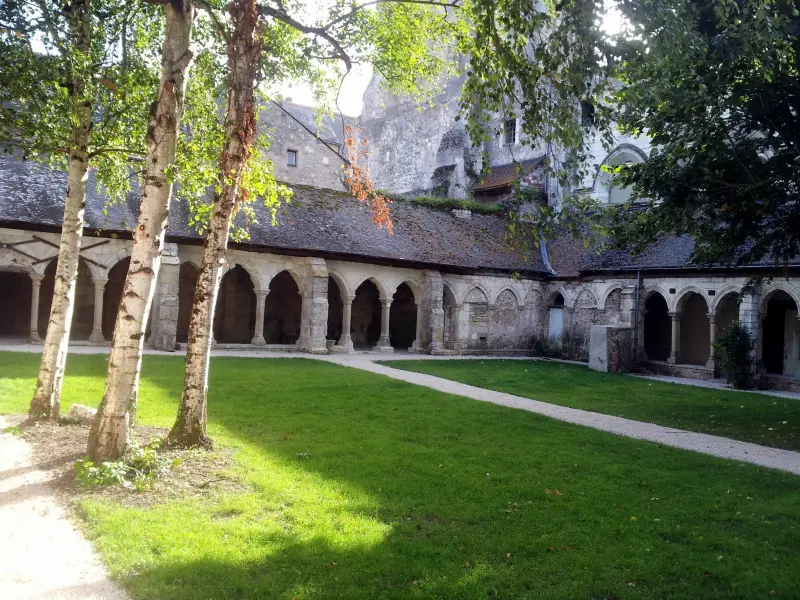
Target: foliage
x=715 y=84
x=403 y=524
x=40 y=102
x=733 y=355
x=14 y=430
x=448 y=204
x=138 y=469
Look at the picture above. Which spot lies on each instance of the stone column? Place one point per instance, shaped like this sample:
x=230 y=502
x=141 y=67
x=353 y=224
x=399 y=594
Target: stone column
x=97 y=327
x=749 y=316
x=384 y=343
x=314 y=313
x=164 y=317
x=417 y=345
x=712 y=336
x=36 y=283
x=460 y=327
x=261 y=299
x=345 y=343
x=674 y=355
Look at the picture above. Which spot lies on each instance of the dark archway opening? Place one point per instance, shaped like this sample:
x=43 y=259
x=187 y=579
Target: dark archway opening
x=15 y=304
x=365 y=322
x=283 y=310
x=187 y=282
x=403 y=318
x=83 y=311
x=727 y=312
x=776 y=325
x=235 y=315
x=657 y=328
x=695 y=334
x=335 y=310
x=113 y=295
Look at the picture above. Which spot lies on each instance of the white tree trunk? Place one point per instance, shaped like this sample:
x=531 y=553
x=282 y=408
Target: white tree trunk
x=243 y=56
x=46 y=401
x=110 y=433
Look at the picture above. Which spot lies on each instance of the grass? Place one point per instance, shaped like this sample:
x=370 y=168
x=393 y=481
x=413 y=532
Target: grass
x=757 y=418
x=362 y=487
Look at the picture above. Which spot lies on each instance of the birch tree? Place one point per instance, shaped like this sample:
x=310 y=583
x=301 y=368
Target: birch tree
x=109 y=435
x=63 y=66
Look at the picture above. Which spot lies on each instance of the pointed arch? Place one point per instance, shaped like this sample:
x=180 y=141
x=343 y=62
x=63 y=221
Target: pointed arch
x=507 y=288
x=476 y=287
x=683 y=295
x=378 y=284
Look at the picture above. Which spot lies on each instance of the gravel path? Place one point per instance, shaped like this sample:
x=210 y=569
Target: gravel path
x=42 y=555
x=773 y=458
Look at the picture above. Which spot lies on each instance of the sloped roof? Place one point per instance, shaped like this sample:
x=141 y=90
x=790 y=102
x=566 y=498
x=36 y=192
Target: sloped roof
x=503 y=175
x=317 y=221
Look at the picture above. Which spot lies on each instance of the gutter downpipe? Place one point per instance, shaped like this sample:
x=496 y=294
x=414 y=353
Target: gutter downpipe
x=636 y=324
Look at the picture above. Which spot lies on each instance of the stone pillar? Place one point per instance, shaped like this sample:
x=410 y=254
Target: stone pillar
x=166 y=300
x=314 y=313
x=674 y=355
x=261 y=299
x=749 y=317
x=97 y=327
x=712 y=336
x=627 y=313
x=430 y=316
x=345 y=343
x=36 y=283
x=384 y=343
x=417 y=345
x=461 y=326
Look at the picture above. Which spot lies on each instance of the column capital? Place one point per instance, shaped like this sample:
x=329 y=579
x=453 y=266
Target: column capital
x=674 y=314
x=348 y=299
x=386 y=302
x=101 y=281
x=36 y=278
x=712 y=317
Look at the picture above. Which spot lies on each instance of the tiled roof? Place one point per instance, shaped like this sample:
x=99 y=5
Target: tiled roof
x=317 y=221
x=503 y=175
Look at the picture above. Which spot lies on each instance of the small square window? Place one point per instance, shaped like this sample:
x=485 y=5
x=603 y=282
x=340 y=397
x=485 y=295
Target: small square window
x=291 y=158
x=510 y=131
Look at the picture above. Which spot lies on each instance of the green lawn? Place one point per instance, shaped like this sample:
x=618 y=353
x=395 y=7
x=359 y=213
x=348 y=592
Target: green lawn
x=364 y=487
x=756 y=418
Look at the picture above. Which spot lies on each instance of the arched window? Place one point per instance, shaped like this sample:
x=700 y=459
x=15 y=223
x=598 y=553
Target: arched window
x=606 y=190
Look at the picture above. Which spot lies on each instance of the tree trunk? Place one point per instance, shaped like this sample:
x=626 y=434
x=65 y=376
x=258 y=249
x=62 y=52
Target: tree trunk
x=110 y=433
x=243 y=50
x=46 y=401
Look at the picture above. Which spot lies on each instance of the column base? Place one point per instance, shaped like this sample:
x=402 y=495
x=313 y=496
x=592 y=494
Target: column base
x=711 y=364
x=259 y=341
x=672 y=360
x=96 y=337
x=35 y=338
x=343 y=346
x=385 y=348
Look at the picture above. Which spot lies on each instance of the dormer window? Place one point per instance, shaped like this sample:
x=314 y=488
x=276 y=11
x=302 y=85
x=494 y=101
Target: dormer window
x=510 y=132
x=291 y=158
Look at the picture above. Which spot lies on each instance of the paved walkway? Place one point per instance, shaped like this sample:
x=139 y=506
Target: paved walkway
x=43 y=556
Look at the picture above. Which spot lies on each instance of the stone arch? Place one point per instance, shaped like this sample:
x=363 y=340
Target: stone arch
x=480 y=289
x=377 y=283
x=725 y=307
x=250 y=268
x=656 y=326
x=507 y=288
x=344 y=289
x=780 y=332
x=235 y=313
x=603 y=300
x=283 y=309
x=297 y=277
x=403 y=317
x=365 y=320
x=114 y=259
x=772 y=289
x=720 y=295
x=695 y=344
x=505 y=319
x=684 y=293
x=16 y=289
x=585 y=298
x=553 y=297
x=83 y=311
x=604 y=186
x=449 y=306
x=611 y=304
x=476 y=303
x=187 y=282
x=112 y=295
